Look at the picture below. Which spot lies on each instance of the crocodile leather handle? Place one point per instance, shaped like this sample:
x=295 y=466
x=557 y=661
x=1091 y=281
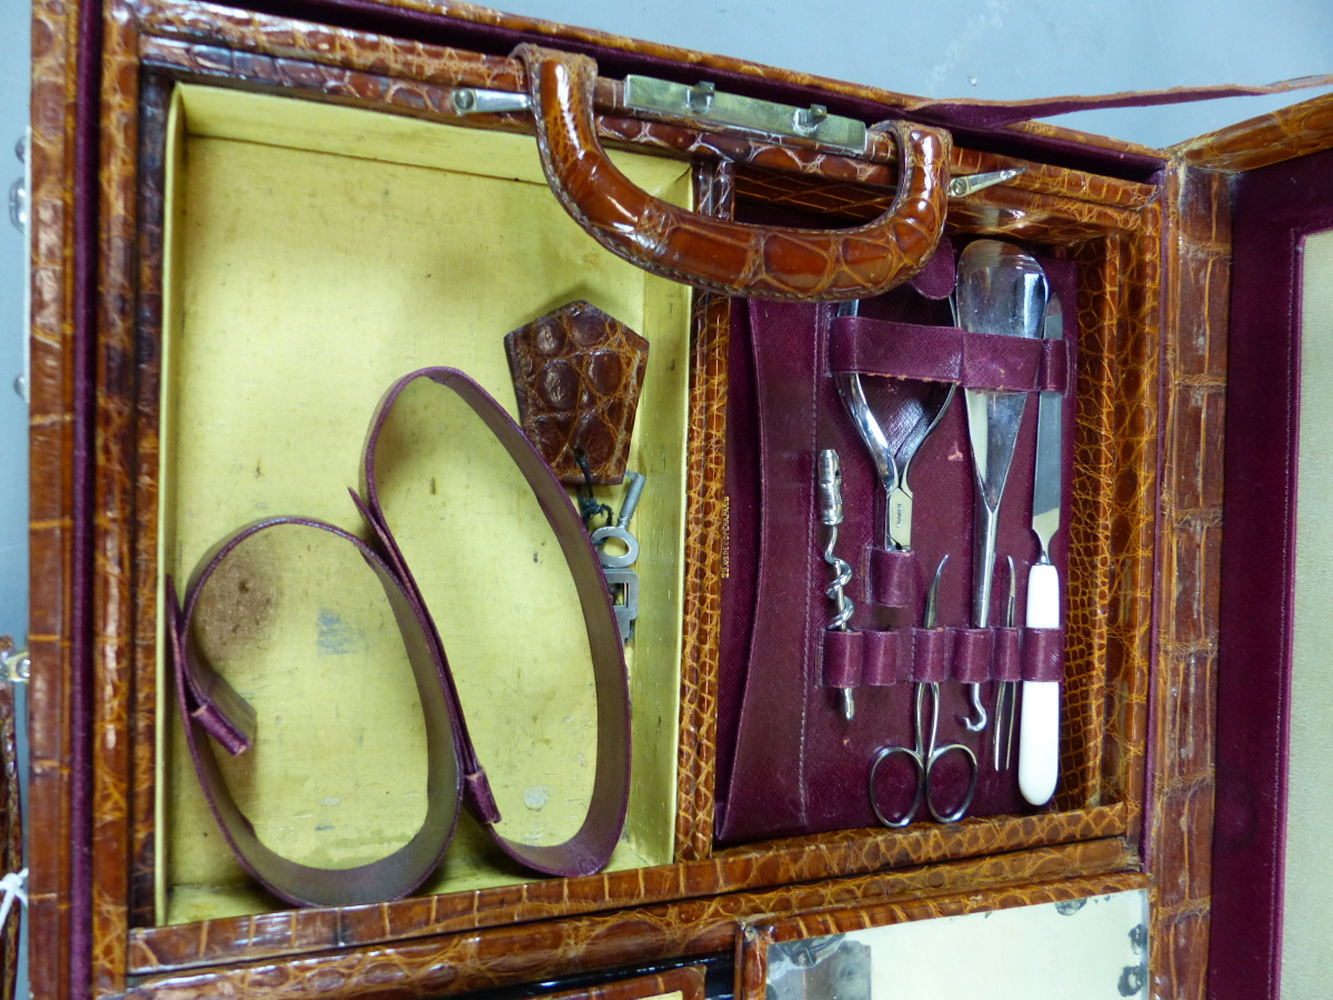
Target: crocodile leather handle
x=767 y=262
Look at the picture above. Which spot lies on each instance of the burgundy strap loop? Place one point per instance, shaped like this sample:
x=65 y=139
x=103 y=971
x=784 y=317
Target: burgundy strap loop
x=889 y=578
x=1044 y=654
x=967 y=655
x=1054 y=365
x=947 y=354
x=972 y=655
x=885 y=661
x=932 y=651
x=1006 y=657
x=843 y=656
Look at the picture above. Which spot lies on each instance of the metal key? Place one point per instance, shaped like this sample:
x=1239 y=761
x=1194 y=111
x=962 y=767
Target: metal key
x=622 y=581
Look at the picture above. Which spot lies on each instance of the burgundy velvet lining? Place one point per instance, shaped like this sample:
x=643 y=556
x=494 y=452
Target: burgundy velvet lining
x=1274 y=209
x=832 y=760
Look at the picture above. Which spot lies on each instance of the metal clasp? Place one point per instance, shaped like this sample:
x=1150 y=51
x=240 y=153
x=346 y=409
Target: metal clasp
x=18 y=191
x=961 y=187
x=475 y=101
x=703 y=101
x=16 y=666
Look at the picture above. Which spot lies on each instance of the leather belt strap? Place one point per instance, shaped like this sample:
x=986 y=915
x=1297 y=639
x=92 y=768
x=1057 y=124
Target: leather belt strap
x=209 y=705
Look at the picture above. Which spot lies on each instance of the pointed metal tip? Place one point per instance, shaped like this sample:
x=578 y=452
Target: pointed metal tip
x=933 y=595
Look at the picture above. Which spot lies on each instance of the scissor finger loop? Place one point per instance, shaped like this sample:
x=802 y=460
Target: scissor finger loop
x=960 y=810
x=924 y=756
x=919 y=786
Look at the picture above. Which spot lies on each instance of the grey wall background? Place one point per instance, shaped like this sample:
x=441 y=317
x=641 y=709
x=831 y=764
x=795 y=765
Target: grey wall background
x=14 y=31
x=1004 y=49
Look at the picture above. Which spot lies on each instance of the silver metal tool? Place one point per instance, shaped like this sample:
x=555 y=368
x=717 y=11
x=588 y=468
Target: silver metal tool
x=925 y=754
x=1006 y=692
x=1001 y=291
x=1039 y=741
x=893 y=459
x=830 y=515
x=621 y=581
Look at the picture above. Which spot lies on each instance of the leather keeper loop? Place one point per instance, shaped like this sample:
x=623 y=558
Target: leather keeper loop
x=1043 y=654
x=1006 y=662
x=843 y=652
x=972 y=655
x=932 y=650
x=947 y=354
x=889 y=578
x=884 y=662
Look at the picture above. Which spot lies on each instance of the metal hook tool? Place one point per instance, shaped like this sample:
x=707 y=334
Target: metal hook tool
x=1001 y=291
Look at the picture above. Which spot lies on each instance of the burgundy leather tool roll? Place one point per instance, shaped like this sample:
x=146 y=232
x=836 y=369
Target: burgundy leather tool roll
x=234 y=606
x=789 y=762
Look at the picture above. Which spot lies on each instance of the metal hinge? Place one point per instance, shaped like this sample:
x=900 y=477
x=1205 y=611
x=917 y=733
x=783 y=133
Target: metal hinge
x=20 y=214
x=16 y=667
x=18 y=191
x=704 y=102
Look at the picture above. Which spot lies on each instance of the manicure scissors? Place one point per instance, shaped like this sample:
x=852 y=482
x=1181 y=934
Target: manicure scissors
x=926 y=754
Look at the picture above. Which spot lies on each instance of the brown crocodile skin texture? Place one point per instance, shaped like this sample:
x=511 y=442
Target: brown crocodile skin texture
x=114 y=489
x=1007 y=210
x=689 y=981
x=154 y=101
x=1260 y=142
x=752 y=868
x=716 y=254
x=705 y=540
x=1179 y=838
x=1111 y=227
x=50 y=499
x=578 y=373
x=287 y=38
x=495 y=907
x=208 y=31
x=516 y=953
x=1136 y=493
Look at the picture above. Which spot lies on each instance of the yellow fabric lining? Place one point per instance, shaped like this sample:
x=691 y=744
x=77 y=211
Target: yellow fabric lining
x=317 y=253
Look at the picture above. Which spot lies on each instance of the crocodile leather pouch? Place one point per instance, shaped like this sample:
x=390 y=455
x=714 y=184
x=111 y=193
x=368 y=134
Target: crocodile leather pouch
x=578 y=374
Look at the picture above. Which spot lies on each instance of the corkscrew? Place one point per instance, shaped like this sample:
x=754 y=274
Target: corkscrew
x=830 y=515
